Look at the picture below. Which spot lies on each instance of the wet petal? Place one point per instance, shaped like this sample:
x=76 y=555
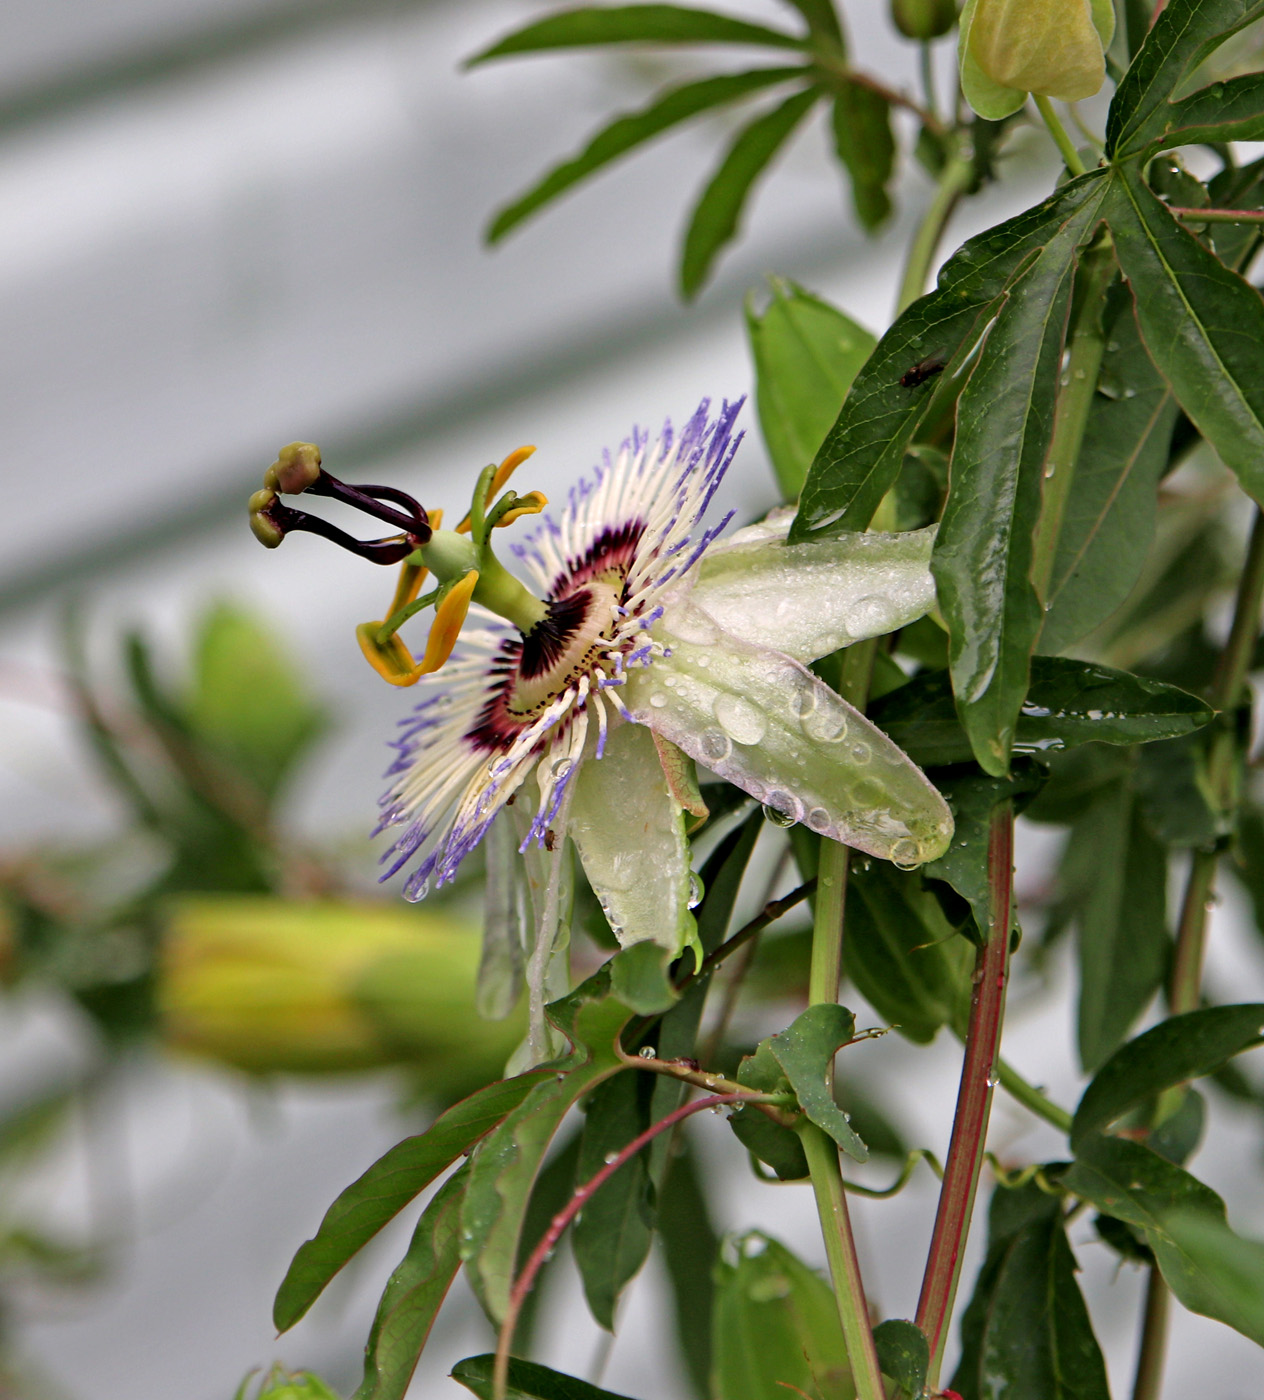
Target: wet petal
x=807 y=600
x=631 y=839
x=764 y=722
x=500 y=967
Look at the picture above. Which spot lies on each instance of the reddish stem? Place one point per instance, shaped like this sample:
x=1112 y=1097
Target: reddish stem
x=974 y=1098
x=583 y=1194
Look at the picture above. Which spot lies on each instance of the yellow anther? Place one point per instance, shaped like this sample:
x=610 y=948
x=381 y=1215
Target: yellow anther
x=296 y=468
x=390 y=659
x=530 y=504
x=503 y=473
x=263 y=529
x=446 y=627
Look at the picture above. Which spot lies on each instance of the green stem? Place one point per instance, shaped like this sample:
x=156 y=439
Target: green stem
x=954 y=180
x=1218 y=216
x=974 y=1100
x=1070 y=156
x=821 y=1151
x=926 y=64
x=1030 y=1097
x=1149 y=1378
x=1075 y=399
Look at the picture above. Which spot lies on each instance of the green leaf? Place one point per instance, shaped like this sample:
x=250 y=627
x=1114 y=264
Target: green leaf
x=552 y=1190
x=806 y=354
x=775 y=1328
x=588 y=26
x=249 y=701
x=861 y=121
x=1026 y=1330
x=1068 y=703
x=715 y=216
x=504 y=1168
x=1174 y=786
x=901 y=952
x=527 y=1381
x=611 y=1238
x=690 y=1247
x=1121 y=921
x=777 y=1146
x=1128 y=1181
x=862 y=455
x=386 y=1188
x=668 y=109
x=414 y=1295
x=821 y=16
x=983 y=553
x=1142 y=114
x=1108 y=525
x=1180 y=1048
x=1225 y=1278
x=903 y=1354
x=805 y=1050
x=973 y=796
x=1202 y=324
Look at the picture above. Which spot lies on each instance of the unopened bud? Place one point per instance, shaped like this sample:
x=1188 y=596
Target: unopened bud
x=1054 y=48
x=295 y=469
x=923 y=19
x=265 y=530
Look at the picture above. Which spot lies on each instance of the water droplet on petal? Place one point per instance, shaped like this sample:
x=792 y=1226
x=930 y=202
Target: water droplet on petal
x=819 y=820
x=739 y=718
x=695 y=892
x=861 y=754
x=803 y=700
x=827 y=726
x=715 y=746
x=658 y=699
x=907 y=855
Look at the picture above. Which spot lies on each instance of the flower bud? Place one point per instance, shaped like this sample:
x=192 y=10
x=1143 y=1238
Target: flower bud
x=923 y=19
x=1054 y=48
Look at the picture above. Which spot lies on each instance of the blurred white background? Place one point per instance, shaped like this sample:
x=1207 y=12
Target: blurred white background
x=227 y=225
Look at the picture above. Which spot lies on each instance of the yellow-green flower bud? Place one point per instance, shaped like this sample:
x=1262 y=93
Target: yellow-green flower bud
x=923 y=19
x=1054 y=48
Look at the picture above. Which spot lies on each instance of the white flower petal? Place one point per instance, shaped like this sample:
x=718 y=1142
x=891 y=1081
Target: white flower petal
x=631 y=838
x=764 y=722
x=807 y=600
x=500 y=968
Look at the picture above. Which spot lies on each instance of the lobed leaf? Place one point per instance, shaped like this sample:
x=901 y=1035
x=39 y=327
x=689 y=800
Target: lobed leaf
x=396 y=1178
x=413 y=1296
x=861 y=457
x=589 y=26
x=1182 y=1047
x=805 y=1050
x=716 y=215
x=667 y=110
x=1202 y=324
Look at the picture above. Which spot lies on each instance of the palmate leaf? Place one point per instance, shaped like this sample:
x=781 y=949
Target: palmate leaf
x=377 y=1196
x=862 y=455
x=1142 y=114
x=667 y=110
x=1202 y=324
x=413 y=1296
x=590 y=26
x=984 y=550
x=715 y=217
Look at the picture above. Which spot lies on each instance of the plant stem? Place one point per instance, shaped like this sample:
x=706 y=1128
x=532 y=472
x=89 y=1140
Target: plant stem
x=1030 y=1097
x=1218 y=216
x=1070 y=156
x=974 y=1099
x=1153 y=1340
x=954 y=180
x=926 y=67
x=583 y=1194
x=1075 y=399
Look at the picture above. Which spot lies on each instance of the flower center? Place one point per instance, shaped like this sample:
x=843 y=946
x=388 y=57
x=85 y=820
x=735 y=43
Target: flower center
x=563 y=646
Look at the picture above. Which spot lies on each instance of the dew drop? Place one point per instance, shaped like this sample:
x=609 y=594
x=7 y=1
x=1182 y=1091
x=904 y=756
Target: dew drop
x=739 y=718
x=691 y=624
x=658 y=699
x=695 y=892
x=868 y=792
x=993 y=1080
x=611 y=1158
x=906 y=854
x=646 y=1052
x=871 y=616
x=828 y=726
x=715 y=746
x=803 y=700
x=819 y=820
x=561 y=768
x=776 y=814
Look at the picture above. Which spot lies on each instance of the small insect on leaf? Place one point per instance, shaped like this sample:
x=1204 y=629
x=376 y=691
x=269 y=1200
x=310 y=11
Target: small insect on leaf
x=550 y=839
x=921 y=372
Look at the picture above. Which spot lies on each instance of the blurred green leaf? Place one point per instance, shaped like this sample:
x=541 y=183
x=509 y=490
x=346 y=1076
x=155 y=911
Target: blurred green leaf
x=1202 y=324
x=690 y=1247
x=774 y=1144
x=413 y=1296
x=1068 y=703
x=715 y=217
x=587 y=26
x=984 y=550
x=1026 y=1330
x=1178 y=1136
x=552 y=1190
x=527 y=1381
x=1121 y=921
x=283 y=1385
x=806 y=354
x=386 y=1188
x=1225 y=1273
x=862 y=455
x=903 y=1354
x=1173 y=784
x=1184 y=33
x=865 y=143
x=248 y=701
x=1180 y=1048
x=805 y=1050
x=668 y=109
x=775 y=1327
